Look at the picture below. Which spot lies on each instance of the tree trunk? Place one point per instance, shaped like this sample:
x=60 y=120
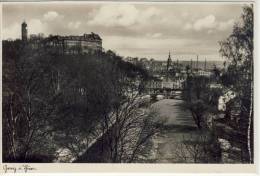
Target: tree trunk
x=249 y=128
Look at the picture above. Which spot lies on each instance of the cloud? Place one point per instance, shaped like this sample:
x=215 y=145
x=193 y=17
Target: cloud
x=210 y=24
x=153 y=35
x=51 y=15
x=210 y=31
x=115 y=15
x=156 y=35
x=122 y=15
x=207 y=22
x=188 y=26
x=184 y=14
x=13 y=31
x=36 y=26
x=74 y=25
x=222 y=26
x=147 y=14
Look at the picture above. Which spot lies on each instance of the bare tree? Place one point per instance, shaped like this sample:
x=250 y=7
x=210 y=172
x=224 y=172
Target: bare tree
x=193 y=149
x=131 y=127
x=27 y=107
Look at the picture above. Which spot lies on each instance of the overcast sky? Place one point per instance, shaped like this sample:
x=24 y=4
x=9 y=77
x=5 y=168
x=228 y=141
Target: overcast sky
x=142 y=30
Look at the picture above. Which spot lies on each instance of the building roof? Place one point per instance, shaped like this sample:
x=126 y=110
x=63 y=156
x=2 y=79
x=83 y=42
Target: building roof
x=88 y=37
x=84 y=37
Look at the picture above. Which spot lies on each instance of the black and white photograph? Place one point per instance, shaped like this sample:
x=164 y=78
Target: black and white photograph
x=128 y=82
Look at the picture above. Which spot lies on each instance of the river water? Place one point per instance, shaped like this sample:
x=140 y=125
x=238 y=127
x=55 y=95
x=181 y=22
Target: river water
x=178 y=140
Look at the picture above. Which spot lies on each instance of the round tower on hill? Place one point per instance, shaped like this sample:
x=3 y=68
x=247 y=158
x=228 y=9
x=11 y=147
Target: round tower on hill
x=24 y=31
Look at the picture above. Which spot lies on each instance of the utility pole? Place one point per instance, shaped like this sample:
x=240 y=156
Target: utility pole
x=205 y=65
x=191 y=65
x=197 y=65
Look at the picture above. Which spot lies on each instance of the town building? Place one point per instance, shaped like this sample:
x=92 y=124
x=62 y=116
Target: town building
x=204 y=73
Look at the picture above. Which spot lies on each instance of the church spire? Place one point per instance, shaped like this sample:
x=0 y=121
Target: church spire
x=168 y=65
x=169 y=61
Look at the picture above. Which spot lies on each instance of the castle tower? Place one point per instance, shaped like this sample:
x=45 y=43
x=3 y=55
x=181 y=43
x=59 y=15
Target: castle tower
x=24 y=31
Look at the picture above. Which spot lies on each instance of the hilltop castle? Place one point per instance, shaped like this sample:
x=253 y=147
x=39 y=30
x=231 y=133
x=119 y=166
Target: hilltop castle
x=86 y=43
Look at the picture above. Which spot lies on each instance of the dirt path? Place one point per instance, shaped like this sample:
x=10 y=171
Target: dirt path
x=177 y=141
